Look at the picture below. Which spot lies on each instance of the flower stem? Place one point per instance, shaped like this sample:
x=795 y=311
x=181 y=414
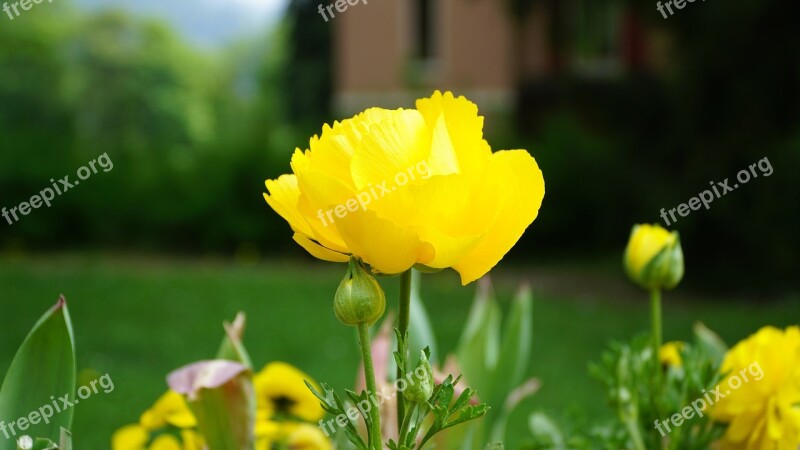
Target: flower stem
x=655 y=311
x=404 y=316
x=375 y=438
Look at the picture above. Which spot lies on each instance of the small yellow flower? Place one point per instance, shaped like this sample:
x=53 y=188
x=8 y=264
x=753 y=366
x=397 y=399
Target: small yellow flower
x=761 y=392
x=170 y=409
x=654 y=258
x=670 y=354
x=410 y=187
x=281 y=391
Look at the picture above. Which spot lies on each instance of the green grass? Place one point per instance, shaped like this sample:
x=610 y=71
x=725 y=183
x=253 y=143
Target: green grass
x=139 y=318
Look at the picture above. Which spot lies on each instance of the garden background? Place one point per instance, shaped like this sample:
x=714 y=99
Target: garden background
x=195 y=115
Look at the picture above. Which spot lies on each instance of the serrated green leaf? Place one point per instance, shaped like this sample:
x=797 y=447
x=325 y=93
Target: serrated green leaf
x=44 y=366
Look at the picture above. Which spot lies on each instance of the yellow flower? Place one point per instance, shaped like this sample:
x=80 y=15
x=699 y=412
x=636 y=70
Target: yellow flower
x=653 y=257
x=761 y=392
x=670 y=354
x=170 y=409
x=406 y=187
x=281 y=390
x=290 y=435
x=308 y=437
x=136 y=437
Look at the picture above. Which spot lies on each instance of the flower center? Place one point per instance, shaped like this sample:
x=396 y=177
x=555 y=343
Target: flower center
x=283 y=403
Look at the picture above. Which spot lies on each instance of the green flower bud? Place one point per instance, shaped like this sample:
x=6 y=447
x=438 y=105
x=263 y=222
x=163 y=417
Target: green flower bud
x=654 y=258
x=420 y=381
x=359 y=298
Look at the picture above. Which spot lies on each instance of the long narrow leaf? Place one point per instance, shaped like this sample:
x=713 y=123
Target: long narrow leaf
x=42 y=370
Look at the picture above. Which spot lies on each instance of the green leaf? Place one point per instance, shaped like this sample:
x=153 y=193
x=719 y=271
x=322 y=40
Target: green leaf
x=65 y=442
x=221 y=396
x=479 y=345
x=545 y=432
x=332 y=404
x=421 y=334
x=232 y=348
x=515 y=350
x=710 y=342
x=43 y=367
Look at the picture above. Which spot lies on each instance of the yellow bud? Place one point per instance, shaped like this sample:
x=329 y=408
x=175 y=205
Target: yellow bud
x=359 y=298
x=654 y=258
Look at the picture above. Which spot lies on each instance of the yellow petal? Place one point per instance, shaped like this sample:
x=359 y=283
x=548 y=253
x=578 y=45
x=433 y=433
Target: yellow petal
x=463 y=124
x=170 y=409
x=284 y=194
x=645 y=243
x=321 y=192
x=520 y=190
x=319 y=251
x=398 y=142
x=130 y=437
x=165 y=442
x=308 y=437
x=385 y=246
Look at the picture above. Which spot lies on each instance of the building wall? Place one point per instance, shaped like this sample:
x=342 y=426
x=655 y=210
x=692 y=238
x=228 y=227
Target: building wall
x=374 y=46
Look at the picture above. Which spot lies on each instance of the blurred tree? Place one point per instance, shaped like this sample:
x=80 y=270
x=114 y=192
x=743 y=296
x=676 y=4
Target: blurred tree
x=35 y=120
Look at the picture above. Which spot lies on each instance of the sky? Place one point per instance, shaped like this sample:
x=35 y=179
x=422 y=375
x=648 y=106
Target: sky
x=207 y=23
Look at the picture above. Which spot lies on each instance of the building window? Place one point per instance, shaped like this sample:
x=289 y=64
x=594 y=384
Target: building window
x=423 y=32
x=598 y=30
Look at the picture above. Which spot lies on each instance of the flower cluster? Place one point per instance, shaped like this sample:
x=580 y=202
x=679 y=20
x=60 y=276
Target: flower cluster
x=285 y=407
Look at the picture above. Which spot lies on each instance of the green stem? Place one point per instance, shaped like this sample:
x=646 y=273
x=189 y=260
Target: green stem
x=655 y=311
x=375 y=439
x=636 y=436
x=655 y=317
x=404 y=316
x=406 y=423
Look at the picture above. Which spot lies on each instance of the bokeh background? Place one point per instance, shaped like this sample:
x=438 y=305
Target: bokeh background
x=198 y=102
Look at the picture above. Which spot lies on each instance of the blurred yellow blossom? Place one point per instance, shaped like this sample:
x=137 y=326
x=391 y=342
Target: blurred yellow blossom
x=281 y=391
x=670 y=354
x=763 y=412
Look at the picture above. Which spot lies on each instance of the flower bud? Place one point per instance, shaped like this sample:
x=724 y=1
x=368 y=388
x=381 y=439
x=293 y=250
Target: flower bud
x=359 y=298
x=653 y=257
x=421 y=389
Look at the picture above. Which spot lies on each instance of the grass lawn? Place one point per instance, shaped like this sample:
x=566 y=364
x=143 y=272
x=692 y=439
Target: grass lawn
x=139 y=318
